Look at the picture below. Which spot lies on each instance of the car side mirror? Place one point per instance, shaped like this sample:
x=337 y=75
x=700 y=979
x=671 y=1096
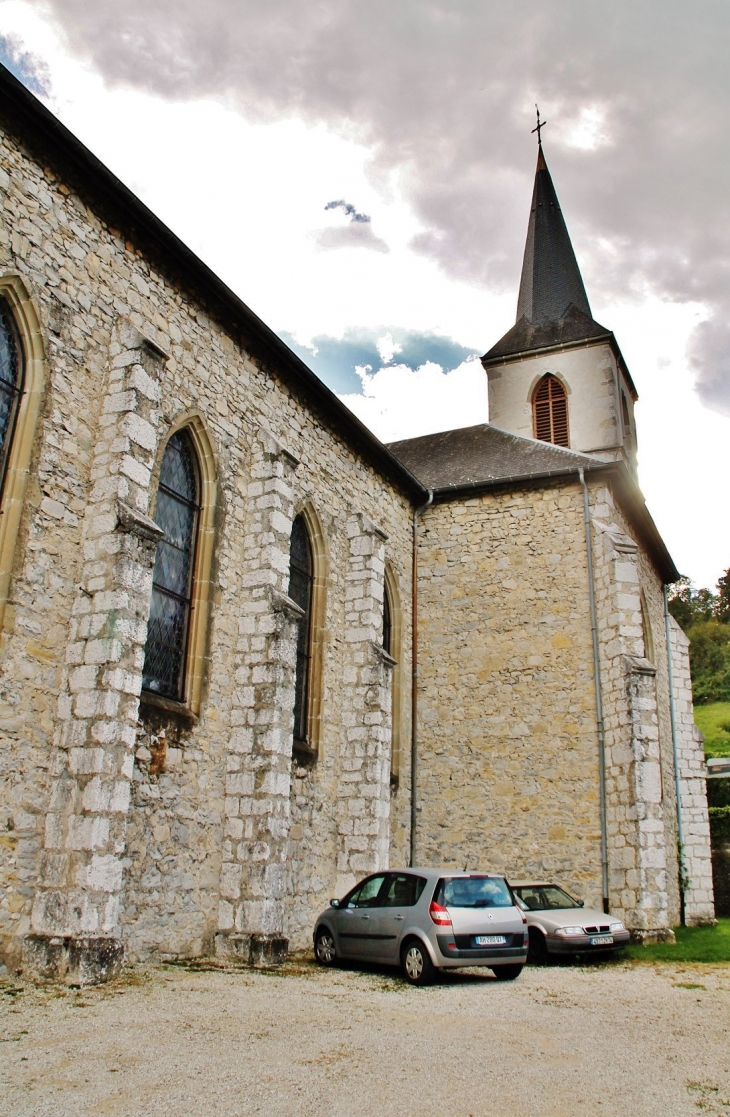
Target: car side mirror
x=581 y=903
x=334 y=903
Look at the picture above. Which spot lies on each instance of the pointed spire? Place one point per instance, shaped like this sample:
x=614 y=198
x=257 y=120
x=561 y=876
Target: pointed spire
x=551 y=279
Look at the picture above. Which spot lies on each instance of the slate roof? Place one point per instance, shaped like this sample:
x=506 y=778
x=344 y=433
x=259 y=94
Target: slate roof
x=484 y=454
x=552 y=306
x=573 y=327
x=462 y=463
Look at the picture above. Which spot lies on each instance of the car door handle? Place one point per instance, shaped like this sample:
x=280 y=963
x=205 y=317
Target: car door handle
x=399 y=917
x=364 y=916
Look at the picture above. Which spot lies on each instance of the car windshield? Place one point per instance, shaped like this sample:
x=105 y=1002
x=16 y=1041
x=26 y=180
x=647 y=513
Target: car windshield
x=544 y=897
x=473 y=892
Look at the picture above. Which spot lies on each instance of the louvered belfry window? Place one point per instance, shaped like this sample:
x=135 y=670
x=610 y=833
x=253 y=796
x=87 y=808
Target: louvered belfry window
x=172 y=581
x=550 y=411
x=11 y=383
x=301 y=577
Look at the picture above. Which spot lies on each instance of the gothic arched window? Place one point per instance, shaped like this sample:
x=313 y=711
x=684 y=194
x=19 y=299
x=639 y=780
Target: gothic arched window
x=177 y=512
x=550 y=411
x=646 y=629
x=387 y=622
x=301 y=578
x=11 y=383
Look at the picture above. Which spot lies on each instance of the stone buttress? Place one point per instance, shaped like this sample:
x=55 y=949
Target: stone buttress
x=75 y=918
x=699 y=904
x=258 y=780
x=363 y=801
x=636 y=824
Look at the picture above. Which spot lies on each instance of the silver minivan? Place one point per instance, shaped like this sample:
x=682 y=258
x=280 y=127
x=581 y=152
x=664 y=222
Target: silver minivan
x=426 y=920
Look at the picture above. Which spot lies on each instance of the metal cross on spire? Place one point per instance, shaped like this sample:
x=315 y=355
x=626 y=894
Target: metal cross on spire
x=540 y=124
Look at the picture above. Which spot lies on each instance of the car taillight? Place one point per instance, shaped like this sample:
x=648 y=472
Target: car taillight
x=524 y=917
x=439 y=915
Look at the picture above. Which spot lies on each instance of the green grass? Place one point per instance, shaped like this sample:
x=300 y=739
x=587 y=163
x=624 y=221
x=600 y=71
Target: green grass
x=714 y=721
x=694 y=944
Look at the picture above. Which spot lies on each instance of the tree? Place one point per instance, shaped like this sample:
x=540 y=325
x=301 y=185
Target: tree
x=722 y=609
x=705 y=619
x=688 y=605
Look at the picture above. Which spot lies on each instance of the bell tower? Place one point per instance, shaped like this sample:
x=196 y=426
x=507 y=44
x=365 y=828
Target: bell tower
x=557 y=375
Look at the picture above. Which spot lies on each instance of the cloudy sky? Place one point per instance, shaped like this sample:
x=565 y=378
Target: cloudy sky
x=361 y=175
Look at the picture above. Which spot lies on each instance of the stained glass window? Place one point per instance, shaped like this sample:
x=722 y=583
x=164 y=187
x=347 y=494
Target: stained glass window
x=10 y=382
x=172 y=580
x=300 y=590
x=550 y=411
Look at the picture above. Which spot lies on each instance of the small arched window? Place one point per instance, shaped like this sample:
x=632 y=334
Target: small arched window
x=301 y=578
x=11 y=383
x=646 y=629
x=550 y=411
x=177 y=513
x=387 y=622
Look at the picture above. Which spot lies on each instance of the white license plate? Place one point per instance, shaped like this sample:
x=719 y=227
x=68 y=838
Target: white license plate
x=490 y=940
x=602 y=940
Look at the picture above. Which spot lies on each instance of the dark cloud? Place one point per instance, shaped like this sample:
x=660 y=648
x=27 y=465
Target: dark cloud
x=710 y=355
x=335 y=359
x=29 y=69
x=443 y=90
x=348 y=210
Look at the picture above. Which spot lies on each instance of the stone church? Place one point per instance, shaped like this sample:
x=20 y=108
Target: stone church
x=250 y=654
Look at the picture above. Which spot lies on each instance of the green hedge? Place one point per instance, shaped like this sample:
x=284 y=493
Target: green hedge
x=720 y=824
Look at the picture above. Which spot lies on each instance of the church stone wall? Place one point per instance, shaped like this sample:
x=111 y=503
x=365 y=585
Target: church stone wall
x=589 y=376
x=643 y=867
x=508 y=766
x=183 y=863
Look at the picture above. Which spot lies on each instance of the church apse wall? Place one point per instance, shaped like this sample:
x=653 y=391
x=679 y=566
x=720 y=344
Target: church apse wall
x=507 y=729
x=166 y=828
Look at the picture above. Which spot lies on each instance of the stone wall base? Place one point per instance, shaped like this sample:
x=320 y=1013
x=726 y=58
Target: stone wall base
x=74 y=961
x=252 y=950
x=646 y=937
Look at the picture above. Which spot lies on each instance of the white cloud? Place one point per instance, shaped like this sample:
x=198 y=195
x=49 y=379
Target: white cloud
x=400 y=402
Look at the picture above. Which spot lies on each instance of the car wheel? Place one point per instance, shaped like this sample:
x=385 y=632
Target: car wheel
x=416 y=963
x=537 y=951
x=506 y=973
x=324 y=949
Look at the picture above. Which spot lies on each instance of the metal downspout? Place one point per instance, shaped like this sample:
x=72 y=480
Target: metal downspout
x=675 y=751
x=414 y=676
x=597 y=684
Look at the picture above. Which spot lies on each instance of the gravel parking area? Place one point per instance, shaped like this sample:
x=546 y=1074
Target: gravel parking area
x=626 y=1040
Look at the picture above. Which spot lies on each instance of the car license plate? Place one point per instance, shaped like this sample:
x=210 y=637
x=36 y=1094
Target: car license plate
x=490 y=940
x=602 y=940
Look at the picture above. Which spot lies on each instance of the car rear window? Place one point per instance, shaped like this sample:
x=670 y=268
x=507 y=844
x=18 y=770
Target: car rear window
x=473 y=892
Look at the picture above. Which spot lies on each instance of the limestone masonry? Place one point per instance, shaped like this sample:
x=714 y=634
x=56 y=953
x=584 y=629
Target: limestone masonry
x=139 y=825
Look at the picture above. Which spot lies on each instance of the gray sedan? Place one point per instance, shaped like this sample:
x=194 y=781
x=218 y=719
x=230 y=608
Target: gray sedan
x=560 y=924
x=426 y=920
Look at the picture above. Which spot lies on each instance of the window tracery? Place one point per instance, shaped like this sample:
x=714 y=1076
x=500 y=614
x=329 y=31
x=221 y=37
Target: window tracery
x=177 y=513
x=301 y=578
x=11 y=382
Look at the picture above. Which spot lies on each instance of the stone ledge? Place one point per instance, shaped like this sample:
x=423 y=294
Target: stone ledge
x=90 y=961
x=137 y=523
x=647 y=937
x=252 y=949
